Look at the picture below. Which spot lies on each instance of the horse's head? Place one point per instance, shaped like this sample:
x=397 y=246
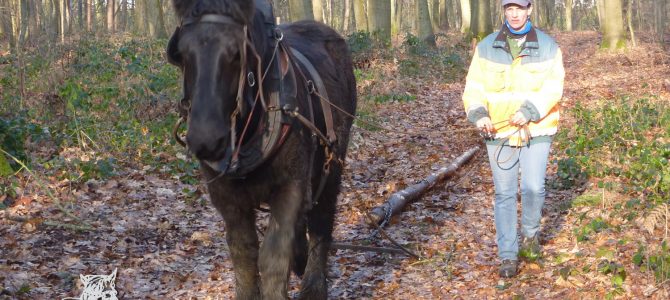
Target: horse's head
x=209 y=47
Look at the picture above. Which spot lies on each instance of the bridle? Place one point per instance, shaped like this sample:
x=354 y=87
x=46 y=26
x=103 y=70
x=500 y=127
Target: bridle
x=184 y=104
x=279 y=112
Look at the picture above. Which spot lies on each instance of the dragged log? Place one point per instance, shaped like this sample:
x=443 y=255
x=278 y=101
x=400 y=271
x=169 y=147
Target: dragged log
x=383 y=213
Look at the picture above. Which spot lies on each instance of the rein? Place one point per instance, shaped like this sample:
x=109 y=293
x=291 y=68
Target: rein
x=523 y=134
x=248 y=50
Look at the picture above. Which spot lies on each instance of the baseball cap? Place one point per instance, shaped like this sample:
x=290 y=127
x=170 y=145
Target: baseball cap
x=523 y=3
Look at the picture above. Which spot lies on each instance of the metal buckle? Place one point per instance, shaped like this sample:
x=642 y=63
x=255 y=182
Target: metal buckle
x=279 y=35
x=251 y=79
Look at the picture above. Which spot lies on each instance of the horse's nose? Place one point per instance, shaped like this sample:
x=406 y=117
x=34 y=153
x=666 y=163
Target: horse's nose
x=205 y=140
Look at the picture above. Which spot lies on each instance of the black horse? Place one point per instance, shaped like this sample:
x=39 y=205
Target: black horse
x=268 y=116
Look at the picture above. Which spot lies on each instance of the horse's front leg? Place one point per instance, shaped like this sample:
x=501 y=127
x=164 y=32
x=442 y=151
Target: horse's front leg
x=277 y=247
x=242 y=240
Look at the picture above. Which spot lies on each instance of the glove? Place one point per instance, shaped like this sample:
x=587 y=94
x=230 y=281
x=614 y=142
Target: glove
x=484 y=124
x=518 y=119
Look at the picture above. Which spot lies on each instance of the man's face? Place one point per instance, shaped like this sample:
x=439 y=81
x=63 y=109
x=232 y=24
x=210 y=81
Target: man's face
x=517 y=15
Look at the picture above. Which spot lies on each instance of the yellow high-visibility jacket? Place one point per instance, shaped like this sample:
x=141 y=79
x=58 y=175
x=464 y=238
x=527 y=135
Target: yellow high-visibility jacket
x=498 y=86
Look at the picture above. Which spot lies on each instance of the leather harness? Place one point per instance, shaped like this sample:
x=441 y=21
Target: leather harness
x=279 y=81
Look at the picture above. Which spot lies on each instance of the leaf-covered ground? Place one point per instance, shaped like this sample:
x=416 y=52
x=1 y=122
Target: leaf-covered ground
x=168 y=243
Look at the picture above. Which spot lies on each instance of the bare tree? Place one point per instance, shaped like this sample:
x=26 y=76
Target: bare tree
x=360 y=17
x=110 y=15
x=613 y=31
x=425 y=29
x=466 y=16
x=379 y=16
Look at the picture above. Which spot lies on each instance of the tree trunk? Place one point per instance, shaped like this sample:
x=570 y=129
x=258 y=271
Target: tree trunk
x=68 y=15
x=466 y=16
x=300 y=10
x=63 y=20
x=6 y=23
x=110 y=16
x=395 y=203
x=80 y=14
x=425 y=29
x=360 y=17
x=317 y=8
x=396 y=9
x=496 y=14
x=435 y=14
x=89 y=15
x=454 y=14
x=659 y=20
x=379 y=15
x=160 y=27
x=613 y=30
x=443 y=8
x=629 y=19
x=481 y=19
x=600 y=8
x=568 y=15
x=347 y=18
x=139 y=17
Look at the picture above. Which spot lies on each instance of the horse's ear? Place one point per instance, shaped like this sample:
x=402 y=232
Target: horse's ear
x=246 y=7
x=181 y=6
x=173 y=55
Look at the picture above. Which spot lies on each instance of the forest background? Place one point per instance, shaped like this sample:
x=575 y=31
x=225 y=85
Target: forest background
x=90 y=178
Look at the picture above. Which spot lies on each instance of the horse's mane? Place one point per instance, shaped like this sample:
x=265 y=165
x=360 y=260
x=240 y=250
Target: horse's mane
x=240 y=10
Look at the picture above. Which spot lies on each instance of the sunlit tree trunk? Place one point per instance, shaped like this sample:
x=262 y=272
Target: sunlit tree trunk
x=600 y=9
x=360 y=18
x=379 y=16
x=300 y=10
x=454 y=14
x=110 y=15
x=347 y=16
x=89 y=14
x=317 y=8
x=466 y=15
x=629 y=20
x=568 y=15
x=424 y=27
x=63 y=20
x=396 y=9
x=68 y=15
x=613 y=30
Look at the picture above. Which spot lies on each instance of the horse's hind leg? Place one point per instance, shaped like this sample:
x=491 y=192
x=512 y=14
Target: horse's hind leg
x=320 y=227
x=277 y=248
x=242 y=242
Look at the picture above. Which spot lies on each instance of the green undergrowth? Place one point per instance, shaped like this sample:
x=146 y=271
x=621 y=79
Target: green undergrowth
x=626 y=139
x=91 y=108
x=616 y=152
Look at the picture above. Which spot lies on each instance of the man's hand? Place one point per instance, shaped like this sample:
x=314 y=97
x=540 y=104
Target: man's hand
x=518 y=119
x=484 y=124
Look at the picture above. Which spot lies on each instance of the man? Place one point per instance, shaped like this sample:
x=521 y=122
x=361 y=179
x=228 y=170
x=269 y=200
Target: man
x=512 y=91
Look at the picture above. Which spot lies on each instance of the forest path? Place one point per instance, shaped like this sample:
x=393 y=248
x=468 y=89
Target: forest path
x=169 y=244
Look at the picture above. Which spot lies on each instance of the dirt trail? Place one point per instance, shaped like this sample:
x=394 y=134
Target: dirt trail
x=168 y=246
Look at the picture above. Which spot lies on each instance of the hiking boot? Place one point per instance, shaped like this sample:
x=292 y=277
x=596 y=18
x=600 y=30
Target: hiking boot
x=529 y=249
x=507 y=268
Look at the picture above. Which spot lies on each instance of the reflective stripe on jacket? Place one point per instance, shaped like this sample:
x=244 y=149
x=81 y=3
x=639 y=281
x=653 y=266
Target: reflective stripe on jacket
x=499 y=86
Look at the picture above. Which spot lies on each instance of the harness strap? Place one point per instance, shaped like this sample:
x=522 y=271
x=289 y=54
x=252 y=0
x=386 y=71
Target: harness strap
x=325 y=106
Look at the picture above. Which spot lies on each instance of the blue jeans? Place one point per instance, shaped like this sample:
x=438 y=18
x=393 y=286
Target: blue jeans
x=532 y=162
